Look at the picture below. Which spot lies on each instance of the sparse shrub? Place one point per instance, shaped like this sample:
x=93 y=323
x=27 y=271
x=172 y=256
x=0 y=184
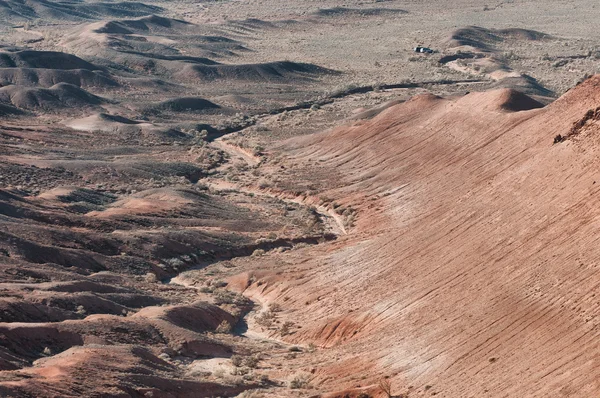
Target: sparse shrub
x=150 y=277
x=240 y=166
x=226 y=297
x=264 y=379
x=236 y=361
x=299 y=381
x=560 y=63
x=385 y=385
x=219 y=373
x=511 y=55
x=264 y=184
x=218 y=283
x=240 y=371
x=286 y=328
x=251 y=361
x=175 y=263
x=349 y=221
x=258 y=149
x=265 y=319
x=234 y=380
x=344 y=90
x=363 y=395
x=224 y=328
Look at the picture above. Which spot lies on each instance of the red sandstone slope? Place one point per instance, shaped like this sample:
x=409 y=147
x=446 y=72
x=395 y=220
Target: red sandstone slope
x=474 y=263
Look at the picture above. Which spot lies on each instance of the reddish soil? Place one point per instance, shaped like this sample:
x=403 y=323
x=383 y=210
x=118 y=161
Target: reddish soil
x=466 y=273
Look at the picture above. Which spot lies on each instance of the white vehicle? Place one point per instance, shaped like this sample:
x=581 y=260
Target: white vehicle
x=423 y=50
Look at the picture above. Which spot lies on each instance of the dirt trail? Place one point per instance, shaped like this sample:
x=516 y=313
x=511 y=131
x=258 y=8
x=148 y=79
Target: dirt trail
x=252 y=330
x=236 y=152
x=331 y=219
x=334 y=224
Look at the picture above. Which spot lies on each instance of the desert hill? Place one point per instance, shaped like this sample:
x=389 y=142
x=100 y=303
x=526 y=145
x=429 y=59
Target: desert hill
x=57 y=96
x=17 y=11
x=463 y=274
x=452 y=198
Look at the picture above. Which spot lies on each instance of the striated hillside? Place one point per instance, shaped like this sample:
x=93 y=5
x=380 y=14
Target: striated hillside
x=472 y=269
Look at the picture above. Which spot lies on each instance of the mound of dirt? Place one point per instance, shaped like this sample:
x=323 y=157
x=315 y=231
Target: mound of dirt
x=273 y=71
x=105 y=122
x=116 y=119
x=245 y=26
x=59 y=96
x=358 y=12
x=156 y=201
x=525 y=84
x=29 y=340
x=240 y=102
x=486 y=39
x=198 y=317
x=26 y=10
x=462 y=55
x=147 y=24
x=43 y=60
x=374 y=111
x=508 y=100
x=182 y=58
x=21 y=310
x=185 y=104
x=49 y=77
x=155 y=45
x=479 y=51
x=516 y=101
x=523 y=34
x=75 y=194
x=8 y=110
x=83 y=371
